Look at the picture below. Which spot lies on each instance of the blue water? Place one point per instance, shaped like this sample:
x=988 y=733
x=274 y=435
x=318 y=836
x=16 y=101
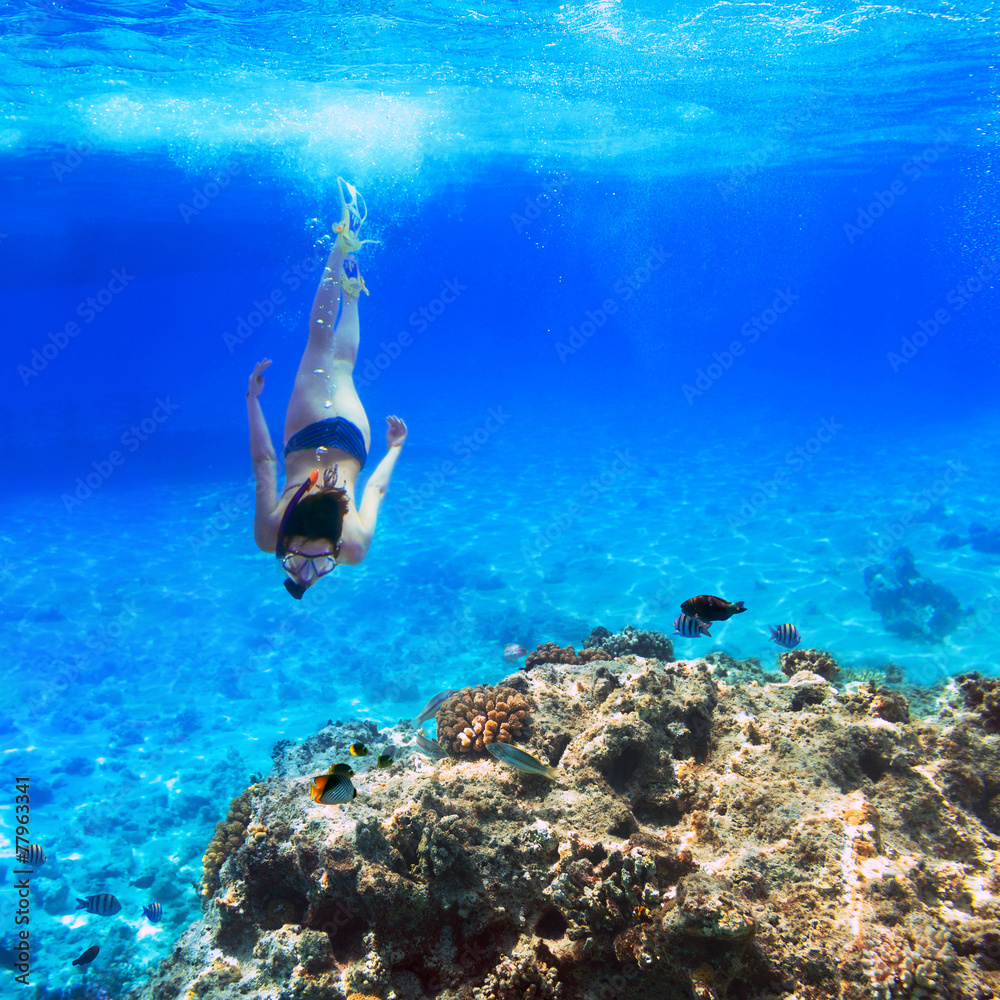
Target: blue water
x=724 y=322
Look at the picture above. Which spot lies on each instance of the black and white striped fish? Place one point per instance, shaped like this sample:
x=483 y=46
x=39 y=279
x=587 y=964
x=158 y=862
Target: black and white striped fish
x=785 y=635
x=153 y=912
x=332 y=789
x=33 y=855
x=103 y=904
x=690 y=626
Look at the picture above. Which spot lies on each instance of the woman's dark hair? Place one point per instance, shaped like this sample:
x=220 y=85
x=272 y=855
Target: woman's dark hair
x=319 y=516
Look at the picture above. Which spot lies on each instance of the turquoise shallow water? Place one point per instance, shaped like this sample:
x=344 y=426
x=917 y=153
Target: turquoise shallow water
x=160 y=688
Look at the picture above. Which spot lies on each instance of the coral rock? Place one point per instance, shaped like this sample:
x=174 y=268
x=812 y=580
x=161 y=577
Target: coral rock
x=703 y=839
x=549 y=652
x=911 y=606
x=983 y=697
x=477 y=716
x=816 y=661
x=229 y=835
x=631 y=641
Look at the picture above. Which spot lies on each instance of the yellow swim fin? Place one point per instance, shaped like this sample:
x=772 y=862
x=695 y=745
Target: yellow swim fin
x=353 y=212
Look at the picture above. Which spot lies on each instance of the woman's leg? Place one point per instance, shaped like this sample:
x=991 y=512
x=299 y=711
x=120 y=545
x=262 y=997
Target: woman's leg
x=324 y=385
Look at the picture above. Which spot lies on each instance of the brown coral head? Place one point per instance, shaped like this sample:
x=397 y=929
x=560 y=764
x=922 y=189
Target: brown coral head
x=549 y=652
x=816 y=661
x=475 y=716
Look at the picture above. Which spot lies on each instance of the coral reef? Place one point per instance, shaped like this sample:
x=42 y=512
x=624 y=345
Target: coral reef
x=911 y=606
x=229 y=835
x=703 y=840
x=816 y=661
x=654 y=645
x=549 y=652
x=983 y=696
x=475 y=716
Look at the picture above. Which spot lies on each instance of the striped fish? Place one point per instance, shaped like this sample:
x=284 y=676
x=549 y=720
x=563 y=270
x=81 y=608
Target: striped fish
x=785 y=635
x=103 y=904
x=430 y=747
x=691 y=627
x=433 y=705
x=521 y=760
x=153 y=912
x=332 y=789
x=33 y=855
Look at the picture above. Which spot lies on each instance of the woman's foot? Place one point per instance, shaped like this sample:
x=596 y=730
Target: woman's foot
x=350 y=279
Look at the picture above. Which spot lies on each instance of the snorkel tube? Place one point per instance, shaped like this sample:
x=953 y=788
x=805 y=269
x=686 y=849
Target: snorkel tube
x=293 y=587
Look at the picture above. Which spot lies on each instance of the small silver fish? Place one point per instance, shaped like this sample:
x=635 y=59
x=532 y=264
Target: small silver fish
x=785 y=635
x=512 y=651
x=521 y=760
x=431 y=747
x=690 y=626
x=433 y=705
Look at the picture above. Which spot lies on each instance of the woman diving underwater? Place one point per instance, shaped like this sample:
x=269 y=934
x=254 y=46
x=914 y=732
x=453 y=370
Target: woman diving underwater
x=315 y=524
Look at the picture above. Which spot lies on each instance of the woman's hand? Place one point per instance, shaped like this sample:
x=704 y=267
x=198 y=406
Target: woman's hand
x=396 y=434
x=256 y=384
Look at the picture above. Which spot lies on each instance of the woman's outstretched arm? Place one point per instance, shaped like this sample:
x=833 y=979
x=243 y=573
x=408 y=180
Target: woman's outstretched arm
x=265 y=463
x=379 y=481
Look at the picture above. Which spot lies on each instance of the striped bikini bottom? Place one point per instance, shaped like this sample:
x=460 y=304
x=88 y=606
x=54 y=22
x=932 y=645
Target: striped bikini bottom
x=334 y=432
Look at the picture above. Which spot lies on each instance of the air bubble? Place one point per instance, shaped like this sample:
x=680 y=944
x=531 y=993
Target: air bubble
x=327 y=404
x=318 y=371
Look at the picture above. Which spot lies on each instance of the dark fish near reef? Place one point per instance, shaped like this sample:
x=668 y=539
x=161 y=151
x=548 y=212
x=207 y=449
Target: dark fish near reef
x=785 y=635
x=145 y=882
x=332 y=789
x=433 y=705
x=342 y=769
x=711 y=609
x=385 y=758
x=359 y=750
x=33 y=855
x=512 y=651
x=88 y=956
x=103 y=904
x=431 y=747
x=521 y=760
x=153 y=912
x=690 y=627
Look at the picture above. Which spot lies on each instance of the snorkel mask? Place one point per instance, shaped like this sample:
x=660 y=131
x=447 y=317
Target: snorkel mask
x=293 y=562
